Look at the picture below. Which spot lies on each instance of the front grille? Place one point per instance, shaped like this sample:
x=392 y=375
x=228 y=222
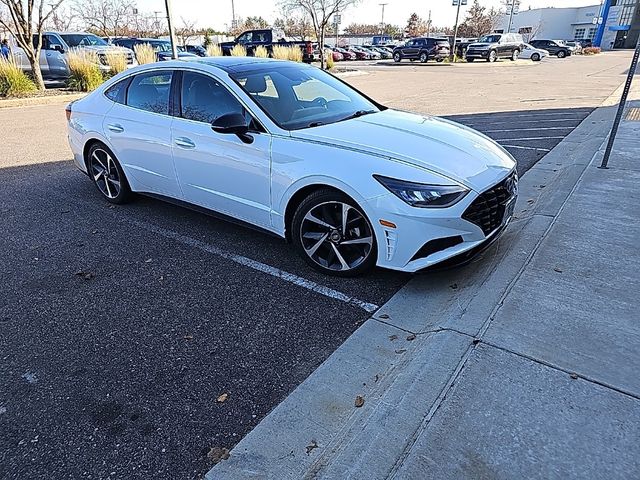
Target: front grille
x=487 y=211
x=103 y=59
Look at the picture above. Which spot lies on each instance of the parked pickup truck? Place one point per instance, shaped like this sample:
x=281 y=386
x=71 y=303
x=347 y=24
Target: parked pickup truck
x=56 y=46
x=268 y=38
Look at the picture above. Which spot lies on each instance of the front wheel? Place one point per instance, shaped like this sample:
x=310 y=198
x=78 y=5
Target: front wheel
x=535 y=57
x=333 y=235
x=470 y=60
x=424 y=57
x=107 y=174
x=514 y=55
x=493 y=56
x=397 y=57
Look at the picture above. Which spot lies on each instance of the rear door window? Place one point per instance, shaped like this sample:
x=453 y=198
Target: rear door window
x=117 y=93
x=150 y=92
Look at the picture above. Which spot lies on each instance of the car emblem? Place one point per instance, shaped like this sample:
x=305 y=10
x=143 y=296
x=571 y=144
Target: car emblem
x=512 y=185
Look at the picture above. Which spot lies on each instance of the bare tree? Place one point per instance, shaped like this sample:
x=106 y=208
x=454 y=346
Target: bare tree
x=106 y=17
x=61 y=20
x=321 y=13
x=27 y=19
x=186 y=31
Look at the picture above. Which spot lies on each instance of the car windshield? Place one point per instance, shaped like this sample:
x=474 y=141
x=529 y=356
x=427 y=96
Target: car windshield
x=83 y=40
x=297 y=97
x=160 y=45
x=489 y=39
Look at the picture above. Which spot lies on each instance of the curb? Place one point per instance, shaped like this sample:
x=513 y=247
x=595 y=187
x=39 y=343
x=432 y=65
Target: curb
x=404 y=359
x=44 y=100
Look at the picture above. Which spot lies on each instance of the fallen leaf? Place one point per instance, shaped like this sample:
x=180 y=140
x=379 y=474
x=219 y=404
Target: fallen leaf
x=161 y=277
x=401 y=350
x=216 y=454
x=148 y=260
x=411 y=337
x=85 y=275
x=93 y=232
x=222 y=398
x=574 y=376
x=453 y=286
x=531 y=200
x=384 y=315
x=542 y=186
x=112 y=206
x=312 y=446
x=556 y=269
x=476 y=341
x=393 y=337
x=359 y=401
x=376 y=378
x=188 y=337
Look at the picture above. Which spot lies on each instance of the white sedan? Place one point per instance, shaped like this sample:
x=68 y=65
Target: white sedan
x=295 y=151
x=530 y=52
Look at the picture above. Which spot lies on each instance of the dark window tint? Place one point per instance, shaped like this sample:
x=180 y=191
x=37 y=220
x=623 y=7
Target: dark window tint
x=204 y=99
x=118 y=91
x=150 y=92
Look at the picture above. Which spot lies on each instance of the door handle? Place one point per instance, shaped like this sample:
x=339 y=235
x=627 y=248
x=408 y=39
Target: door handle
x=184 y=142
x=116 y=128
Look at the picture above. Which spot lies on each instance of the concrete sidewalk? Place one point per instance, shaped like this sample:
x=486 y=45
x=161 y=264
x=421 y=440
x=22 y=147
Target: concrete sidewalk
x=523 y=364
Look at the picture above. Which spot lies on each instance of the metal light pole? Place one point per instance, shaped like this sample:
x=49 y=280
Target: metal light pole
x=382 y=22
x=172 y=33
x=513 y=7
x=457 y=3
x=429 y=24
x=623 y=101
x=233 y=15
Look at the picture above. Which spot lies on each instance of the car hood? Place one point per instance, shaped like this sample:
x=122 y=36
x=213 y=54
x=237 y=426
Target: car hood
x=480 y=45
x=431 y=143
x=106 y=48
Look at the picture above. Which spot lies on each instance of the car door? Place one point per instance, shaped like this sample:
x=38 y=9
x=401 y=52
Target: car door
x=215 y=170
x=411 y=49
x=139 y=132
x=55 y=50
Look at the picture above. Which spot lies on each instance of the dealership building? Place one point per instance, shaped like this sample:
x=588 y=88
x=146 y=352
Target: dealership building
x=614 y=24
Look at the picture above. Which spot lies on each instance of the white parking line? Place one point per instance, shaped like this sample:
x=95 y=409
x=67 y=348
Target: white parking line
x=548 y=120
x=262 y=267
x=534 y=128
x=527 y=148
x=525 y=138
x=576 y=115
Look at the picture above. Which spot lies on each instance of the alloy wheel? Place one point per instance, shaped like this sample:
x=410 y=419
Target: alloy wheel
x=535 y=57
x=336 y=236
x=423 y=57
x=492 y=56
x=105 y=173
x=515 y=54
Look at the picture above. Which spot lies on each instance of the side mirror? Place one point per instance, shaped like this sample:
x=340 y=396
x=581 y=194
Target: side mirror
x=57 y=47
x=233 y=123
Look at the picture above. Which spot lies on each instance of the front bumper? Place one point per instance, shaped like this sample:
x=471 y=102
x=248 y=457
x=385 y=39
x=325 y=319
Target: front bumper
x=477 y=54
x=427 y=237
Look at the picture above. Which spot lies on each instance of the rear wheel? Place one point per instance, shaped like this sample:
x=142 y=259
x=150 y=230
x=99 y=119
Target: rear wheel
x=333 y=235
x=424 y=57
x=107 y=174
x=535 y=57
x=397 y=57
x=561 y=54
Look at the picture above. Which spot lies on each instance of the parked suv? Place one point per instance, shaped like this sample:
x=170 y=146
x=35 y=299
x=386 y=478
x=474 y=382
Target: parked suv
x=161 y=47
x=56 y=47
x=495 y=45
x=554 y=47
x=423 y=49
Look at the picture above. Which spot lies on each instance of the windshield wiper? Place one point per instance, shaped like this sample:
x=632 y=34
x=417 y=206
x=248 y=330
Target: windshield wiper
x=356 y=114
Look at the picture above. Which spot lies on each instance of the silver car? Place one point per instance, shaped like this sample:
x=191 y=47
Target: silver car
x=56 y=46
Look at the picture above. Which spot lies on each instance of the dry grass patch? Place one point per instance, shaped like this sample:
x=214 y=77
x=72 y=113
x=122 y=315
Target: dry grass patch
x=117 y=62
x=214 y=50
x=85 y=71
x=238 y=51
x=261 y=52
x=144 y=53
x=13 y=81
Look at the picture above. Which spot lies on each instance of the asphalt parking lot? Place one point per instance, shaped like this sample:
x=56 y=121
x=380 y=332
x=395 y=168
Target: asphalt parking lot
x=122 y=326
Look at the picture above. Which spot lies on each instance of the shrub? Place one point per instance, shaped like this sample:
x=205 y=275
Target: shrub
x=280 y=52
x=295 y=54
x=144 y=53
x=329 y=59
x=13 y=81
x=238 y=51
x=117 y=62
x=85 y=71
x=214 y=50
x=261 y=52
x=591 y=50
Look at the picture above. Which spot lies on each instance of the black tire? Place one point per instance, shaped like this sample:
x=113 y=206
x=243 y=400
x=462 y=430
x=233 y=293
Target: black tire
x=359 y=256
x=561 y=54
x=424 y=57
x=470 y=60
x=492 y=57
x=535 y=57
x=439 y=60
x=106 y=173
x=514 y=55
x=397 y=57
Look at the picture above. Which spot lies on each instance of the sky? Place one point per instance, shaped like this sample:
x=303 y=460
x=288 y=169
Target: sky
x=217 y=13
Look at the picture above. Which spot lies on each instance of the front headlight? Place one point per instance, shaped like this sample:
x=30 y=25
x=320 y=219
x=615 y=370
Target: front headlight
x=423 y=195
